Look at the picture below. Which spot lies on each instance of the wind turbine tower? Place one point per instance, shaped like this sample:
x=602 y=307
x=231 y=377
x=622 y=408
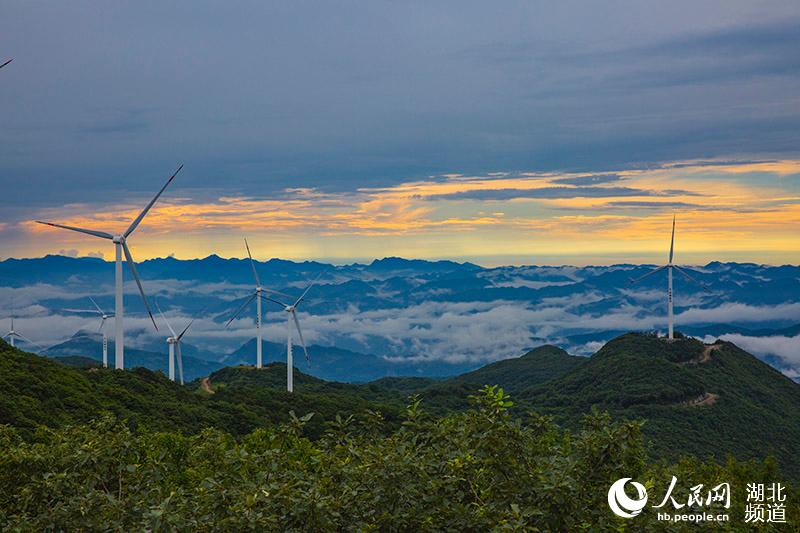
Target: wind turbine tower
x=121 y=246
x=103 y=318
x=174 y=343
x=13 y=334
x=258 y=294
x=293 y=323
x=669 y=267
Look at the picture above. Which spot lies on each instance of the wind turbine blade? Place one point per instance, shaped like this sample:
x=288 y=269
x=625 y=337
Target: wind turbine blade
x=202 y=311
x=690 y=278
x=189 y=325
x=273 y=300
x=186 y=329
x=300 y=334
x=238 y=311
x=101 y=234
x=165 y=319
x=637 y=280
x=672 y=242
x=102 y=323
x=153 y=201
x=281 y=294
x=80 y=311
x=252 y=264
x=308 y=289
x=180 y=360
x=7 y=62
x=96 y=306
x=132 y=266
x=26 y=339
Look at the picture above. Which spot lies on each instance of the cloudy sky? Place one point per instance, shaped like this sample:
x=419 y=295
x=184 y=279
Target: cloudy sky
x=565 y=132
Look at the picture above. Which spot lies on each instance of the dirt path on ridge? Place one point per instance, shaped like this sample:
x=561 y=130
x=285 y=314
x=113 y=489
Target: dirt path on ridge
x=707 y=398
x=704 y=357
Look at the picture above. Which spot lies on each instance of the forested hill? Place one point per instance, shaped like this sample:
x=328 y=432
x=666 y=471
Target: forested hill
x=704 y=400
x=517 y=374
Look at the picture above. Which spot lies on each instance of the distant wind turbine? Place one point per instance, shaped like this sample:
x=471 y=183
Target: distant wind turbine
x=291 y=317
x=669 y=266
x=103 y=317
x=174 y=343
x=257 y=294
x=120 y=243
x=6 y=63
x=12 y=334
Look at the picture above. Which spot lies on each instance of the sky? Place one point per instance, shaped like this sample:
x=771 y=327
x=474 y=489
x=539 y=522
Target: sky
x=543 y=133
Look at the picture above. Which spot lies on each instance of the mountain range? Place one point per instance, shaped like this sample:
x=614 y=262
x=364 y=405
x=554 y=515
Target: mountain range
x=399 y=316
x=329 y=363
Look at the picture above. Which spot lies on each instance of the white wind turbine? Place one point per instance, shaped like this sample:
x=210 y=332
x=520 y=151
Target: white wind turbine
x=12 y=334
x=103 y=317
x=669 y=266
x=174 y=343
x=291 y=320
x=120 y=243
x=257 y=294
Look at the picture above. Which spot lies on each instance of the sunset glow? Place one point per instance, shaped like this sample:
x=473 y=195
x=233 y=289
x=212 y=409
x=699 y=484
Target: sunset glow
x=725 y=210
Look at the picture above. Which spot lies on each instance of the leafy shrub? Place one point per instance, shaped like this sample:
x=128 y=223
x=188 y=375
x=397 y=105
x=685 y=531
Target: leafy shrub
x=478 y=470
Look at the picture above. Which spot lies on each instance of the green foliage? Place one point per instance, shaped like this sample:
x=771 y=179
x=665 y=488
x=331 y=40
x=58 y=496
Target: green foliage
x=89 y=448
x=38 y=391
x=478 y=470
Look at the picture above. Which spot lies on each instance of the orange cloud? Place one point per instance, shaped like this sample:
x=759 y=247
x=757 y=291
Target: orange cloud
x=719 y=208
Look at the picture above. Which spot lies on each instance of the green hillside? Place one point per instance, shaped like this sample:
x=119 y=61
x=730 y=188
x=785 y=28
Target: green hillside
x=516 y=374
x=478 y=470
x=79 y=361
x=452 y=394
x=38 y=391
x=42 y=391
x=228 y=452
x=264 y=391
x=704 y=400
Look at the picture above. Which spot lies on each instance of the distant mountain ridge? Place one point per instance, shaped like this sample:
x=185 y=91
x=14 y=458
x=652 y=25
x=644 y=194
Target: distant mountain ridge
x=328 y=363
x=453 y=316
x=89 y=345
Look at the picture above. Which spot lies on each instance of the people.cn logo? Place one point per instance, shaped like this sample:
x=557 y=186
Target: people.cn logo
x=621 y=504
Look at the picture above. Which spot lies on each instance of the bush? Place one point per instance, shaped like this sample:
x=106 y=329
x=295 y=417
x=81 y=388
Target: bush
x=478 y=470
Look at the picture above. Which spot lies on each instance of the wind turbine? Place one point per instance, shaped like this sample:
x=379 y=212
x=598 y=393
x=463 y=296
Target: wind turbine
x=12 y=334
x=257 y=294
x=174 y=343
x=291 y=320
x=120 y=243
x=103 y=318
x=6 y=63
x=670 y=266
